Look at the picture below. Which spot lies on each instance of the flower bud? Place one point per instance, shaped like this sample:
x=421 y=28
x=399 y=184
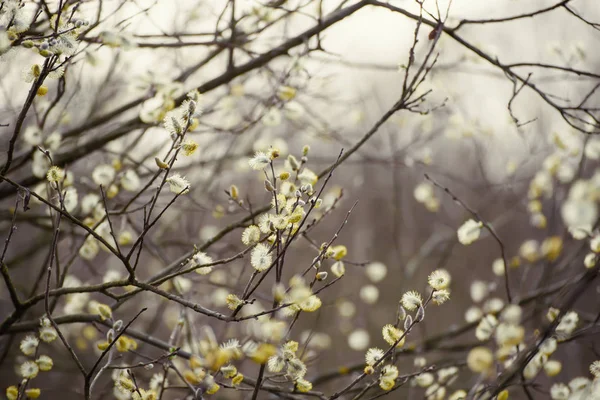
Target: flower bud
x=118 y=325
x=191 y=107
x=269 y=186
x=293 y=162
x=161 y=164
x=420 y=314
x=233 y=192
x=407 y=322
x=284 y=176
x=401 y=313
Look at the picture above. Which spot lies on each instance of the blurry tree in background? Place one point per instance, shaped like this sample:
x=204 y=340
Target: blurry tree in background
x=196 y=204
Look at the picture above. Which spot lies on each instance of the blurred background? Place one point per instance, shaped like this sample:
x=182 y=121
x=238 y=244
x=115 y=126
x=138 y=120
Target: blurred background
x=465 y=139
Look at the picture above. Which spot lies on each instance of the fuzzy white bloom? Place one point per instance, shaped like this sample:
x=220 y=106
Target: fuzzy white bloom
x=552 y=162
x=259 y=161
x=346 y=309
x=509 y=334
x=578 y=385
x=89 y=249
x=44 y=363
x=29 y=345
x=272 y=117
x=310 y=304
x=447 y=375
x=303 y=386
x=579 y=211
x=541 y=184
x=251 y=235
x=424 y=380
x=286 y=93
x=111 y=275
x=533 y=367
x=439 y=279
x=53 y=140
x=480 y=359
x=189 y=147
x=182 y=284
x=566 y=172
x=473 y=314
x=48 y=334
x=411 y=300
x=423 y=192
x=390 y=371
x=276 y=363
x=130 y=181
x=55 y=174
x=479 y=291
x=548 y=346
x=568 y=323
x=178 y=184
x=441 y=296
x=486 y=327
x=393 y=335
x=89 y=202
x=261 y=257
x=318 y=340
x=590 y=260
x=580 y=233
x=175 y=122
x=369 y=294
x=498 y=267
x=420 y=362
x=358 y=340
x=201 y=258
x=338 y=269
x=559 y=391
x=121 y=393
x=423 y=155
x=29 y=369
x=373 y=355
x=103 y=174
x=538 y=220
x=307 y=176
x=293 y=110
x=493 y=305
x=595 y=368
x=469 y=232
x=552 y=367
x=264 y=222
x=40 y=164
x=70 y=199
x=458 y=395
x=32 y=136
x=219 y=297
x=530 y=250
x=512 y=314
x=376 y=271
